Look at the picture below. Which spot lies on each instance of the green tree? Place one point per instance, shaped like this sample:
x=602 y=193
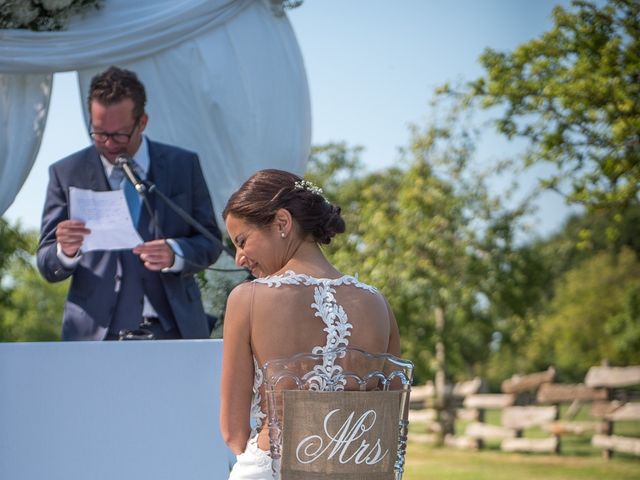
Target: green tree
x=438 y=245
x=336 y=167
x=31 y=307
x=547 y=262
x=574 y=93
x=11 y=239
x=594 y=316
x=430 y=236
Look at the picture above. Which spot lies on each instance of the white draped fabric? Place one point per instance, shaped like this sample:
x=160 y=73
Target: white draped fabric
x=224 y=78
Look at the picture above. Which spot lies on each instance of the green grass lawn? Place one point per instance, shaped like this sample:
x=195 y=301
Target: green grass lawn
x=427 y=463
x=578 y=459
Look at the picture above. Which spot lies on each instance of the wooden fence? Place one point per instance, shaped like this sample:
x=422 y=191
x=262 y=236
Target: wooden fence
x=534 y=401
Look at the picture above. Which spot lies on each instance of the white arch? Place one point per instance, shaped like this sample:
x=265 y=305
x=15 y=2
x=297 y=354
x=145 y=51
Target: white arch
x=224 y=78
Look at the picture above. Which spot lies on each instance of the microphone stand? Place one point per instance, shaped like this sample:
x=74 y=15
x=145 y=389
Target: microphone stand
x=150 y=187
x=144 y=186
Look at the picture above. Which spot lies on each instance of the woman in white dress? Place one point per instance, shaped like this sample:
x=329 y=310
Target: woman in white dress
x=297 y=303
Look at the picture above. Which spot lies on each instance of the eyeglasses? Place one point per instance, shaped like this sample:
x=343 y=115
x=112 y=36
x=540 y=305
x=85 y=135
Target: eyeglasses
x=116 y=137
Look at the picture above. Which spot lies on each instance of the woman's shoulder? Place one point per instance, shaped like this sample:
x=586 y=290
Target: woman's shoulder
x=241 y=294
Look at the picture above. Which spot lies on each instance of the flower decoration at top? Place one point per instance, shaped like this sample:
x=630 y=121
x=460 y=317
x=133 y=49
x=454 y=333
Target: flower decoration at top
x=308 y=186
x=42 y=15
x=278 y=6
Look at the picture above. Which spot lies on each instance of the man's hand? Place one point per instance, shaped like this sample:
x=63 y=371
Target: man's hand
x=70 y=235
x=156 y=254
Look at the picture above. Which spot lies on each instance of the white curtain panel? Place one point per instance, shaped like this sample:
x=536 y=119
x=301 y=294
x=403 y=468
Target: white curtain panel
x=224 y=78
x=24 y=101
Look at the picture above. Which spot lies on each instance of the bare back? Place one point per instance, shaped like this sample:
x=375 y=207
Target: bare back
x=281 y=315
x=294 y=313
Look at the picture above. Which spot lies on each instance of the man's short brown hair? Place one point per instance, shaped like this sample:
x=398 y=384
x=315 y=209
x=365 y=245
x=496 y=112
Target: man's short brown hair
x=117 y=84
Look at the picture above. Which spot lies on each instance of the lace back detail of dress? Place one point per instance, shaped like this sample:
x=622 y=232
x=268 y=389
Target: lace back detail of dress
x=328 y=375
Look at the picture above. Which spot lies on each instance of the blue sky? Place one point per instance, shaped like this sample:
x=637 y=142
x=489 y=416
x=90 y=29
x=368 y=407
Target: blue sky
x=372 y=66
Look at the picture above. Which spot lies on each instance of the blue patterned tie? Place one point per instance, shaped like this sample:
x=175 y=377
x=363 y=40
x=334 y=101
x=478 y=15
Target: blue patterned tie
x=130 y=194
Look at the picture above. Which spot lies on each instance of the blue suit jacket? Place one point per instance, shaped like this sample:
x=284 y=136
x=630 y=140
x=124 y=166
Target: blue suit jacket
x=93 y=294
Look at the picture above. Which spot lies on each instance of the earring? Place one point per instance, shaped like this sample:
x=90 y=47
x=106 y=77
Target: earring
x=282 y=234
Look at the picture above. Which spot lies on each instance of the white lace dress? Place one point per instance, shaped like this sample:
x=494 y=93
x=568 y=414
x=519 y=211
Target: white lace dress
x=254 y=463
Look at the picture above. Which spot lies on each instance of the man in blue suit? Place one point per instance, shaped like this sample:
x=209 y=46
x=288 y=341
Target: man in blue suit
x=153 y=284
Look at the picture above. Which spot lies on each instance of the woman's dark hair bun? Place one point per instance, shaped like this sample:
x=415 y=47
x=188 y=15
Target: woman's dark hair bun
x=331 y=225
x=266 y=191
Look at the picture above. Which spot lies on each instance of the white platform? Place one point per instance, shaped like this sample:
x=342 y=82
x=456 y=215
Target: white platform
x=111 y=410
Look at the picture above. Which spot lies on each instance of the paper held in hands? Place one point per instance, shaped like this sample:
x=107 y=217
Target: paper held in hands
x=107 y=215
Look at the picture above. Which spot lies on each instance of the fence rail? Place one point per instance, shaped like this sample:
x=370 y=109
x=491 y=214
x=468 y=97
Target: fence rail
x=534 y=401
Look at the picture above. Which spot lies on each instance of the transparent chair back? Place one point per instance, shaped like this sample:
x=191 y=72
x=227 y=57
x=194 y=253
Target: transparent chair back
x=338 y=414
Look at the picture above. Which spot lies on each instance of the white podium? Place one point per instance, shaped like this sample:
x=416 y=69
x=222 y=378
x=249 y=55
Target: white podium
x=111 y=410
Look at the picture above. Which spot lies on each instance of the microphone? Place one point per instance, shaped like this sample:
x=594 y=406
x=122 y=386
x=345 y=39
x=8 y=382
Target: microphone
x=124 y=162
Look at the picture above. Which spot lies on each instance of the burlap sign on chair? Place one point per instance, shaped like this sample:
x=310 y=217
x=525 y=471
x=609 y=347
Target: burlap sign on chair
x=345 y=435
x=339 y=414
